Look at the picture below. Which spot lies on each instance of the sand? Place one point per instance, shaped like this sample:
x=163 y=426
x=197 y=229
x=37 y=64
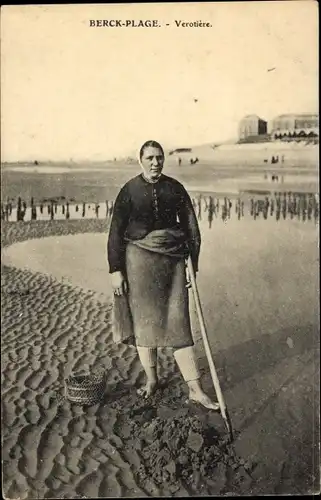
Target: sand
x=260 y=303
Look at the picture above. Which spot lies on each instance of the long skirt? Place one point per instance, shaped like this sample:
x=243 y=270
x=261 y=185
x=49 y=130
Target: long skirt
x=158 y=299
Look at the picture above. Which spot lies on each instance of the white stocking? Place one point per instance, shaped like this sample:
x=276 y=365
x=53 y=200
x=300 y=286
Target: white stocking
x=186 y=361
x=147 y=356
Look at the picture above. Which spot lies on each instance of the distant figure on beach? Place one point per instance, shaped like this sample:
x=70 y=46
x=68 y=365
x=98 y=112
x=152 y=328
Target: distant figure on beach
x=67 y=211
x=97 y=210
x=179 y=161
x=83 y=209
x=153 y=230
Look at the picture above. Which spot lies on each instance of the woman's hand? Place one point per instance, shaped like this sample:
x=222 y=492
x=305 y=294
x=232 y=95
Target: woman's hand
x=119 y=283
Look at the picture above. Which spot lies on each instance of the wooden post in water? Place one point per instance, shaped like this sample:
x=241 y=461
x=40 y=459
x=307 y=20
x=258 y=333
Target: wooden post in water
x=9 y=207
x=6 y=213
x=19 y=209
x=33 y=210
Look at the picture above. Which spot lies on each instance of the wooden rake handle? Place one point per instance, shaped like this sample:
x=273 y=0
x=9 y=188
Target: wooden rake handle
x=208 y=353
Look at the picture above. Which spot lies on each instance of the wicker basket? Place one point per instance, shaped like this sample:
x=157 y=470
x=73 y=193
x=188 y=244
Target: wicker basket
x=85 y=389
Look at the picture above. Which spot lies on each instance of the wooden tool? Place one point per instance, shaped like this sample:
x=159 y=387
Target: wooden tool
x=209 y=356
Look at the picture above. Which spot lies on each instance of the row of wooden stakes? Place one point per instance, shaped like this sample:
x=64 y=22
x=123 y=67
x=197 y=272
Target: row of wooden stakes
x=51 y=209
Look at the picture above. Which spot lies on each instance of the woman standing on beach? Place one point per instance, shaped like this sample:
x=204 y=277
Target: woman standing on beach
x=153 y=230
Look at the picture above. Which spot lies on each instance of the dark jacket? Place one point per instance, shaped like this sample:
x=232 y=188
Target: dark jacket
x=142 y=207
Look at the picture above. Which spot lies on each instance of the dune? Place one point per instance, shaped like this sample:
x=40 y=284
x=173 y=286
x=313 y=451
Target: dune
x=258 y=285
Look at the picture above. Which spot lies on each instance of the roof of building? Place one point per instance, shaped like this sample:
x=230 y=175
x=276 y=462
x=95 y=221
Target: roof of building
x=256 y=117
x=296 y=115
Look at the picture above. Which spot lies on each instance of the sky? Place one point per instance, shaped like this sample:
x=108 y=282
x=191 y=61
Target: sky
x=71 y=91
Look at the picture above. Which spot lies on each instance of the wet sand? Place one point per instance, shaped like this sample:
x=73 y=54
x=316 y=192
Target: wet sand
x=218 y=175
x=260 y=303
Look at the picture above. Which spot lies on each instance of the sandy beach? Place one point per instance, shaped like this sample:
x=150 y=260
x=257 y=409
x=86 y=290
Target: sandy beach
x=262 y=322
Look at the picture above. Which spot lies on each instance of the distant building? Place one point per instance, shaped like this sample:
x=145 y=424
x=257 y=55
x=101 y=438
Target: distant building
x=180 y=150
x=295 y=125
x=252 y=126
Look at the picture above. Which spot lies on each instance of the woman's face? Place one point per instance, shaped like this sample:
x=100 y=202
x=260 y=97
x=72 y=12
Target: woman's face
x=152 y=162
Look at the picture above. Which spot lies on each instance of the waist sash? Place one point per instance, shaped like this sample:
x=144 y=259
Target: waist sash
x=171 y=242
